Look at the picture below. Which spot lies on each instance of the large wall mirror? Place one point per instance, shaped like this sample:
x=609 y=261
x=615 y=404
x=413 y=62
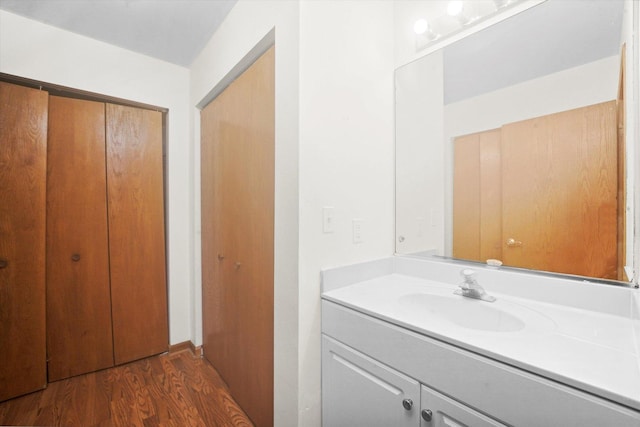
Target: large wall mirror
x=516 y=143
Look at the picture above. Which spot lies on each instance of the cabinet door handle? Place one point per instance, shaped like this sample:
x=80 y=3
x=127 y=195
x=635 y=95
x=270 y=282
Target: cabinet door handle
x=4 y=263
x=237 y=265
x=220 y=257
x=427 y=415
x=407 y=404
x=75 y=257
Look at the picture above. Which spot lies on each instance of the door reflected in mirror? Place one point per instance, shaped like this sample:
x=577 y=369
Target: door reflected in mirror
x=510 y=143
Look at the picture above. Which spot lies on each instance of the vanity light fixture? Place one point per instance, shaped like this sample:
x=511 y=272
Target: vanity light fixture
x=455 y=8
x=421 y=26
x=465 y=13
x=423 y=29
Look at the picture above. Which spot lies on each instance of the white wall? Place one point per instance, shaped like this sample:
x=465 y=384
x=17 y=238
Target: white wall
x=42 y=52
x=576 y=87
x=334 y=146
x=245 y=26
x=346 y=155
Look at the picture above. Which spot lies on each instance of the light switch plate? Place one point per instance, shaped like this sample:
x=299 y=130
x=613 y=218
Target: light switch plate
x=328 y=219
x=358 y=225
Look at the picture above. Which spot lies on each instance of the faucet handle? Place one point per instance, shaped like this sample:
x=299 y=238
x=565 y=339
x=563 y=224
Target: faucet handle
x=467 y=273
x=470 y=287
x=469 y=281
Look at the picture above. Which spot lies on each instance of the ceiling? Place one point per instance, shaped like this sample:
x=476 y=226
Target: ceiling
x=176 y=31
x=171 y=30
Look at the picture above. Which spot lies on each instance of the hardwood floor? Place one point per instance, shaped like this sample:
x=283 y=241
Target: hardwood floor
x=176 y=389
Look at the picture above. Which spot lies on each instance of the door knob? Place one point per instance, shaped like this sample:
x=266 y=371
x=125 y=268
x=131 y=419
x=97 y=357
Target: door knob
x=512 y=243
x=75 y=257
x=427 y=415
x=4 y=263
x=407 y=404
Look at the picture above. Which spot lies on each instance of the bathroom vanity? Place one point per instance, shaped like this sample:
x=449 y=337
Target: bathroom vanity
x=399 y=348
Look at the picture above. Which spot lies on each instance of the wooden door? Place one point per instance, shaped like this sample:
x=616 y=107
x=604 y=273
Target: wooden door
x=23 y=145
x=135 y=197
x=79 y=337
x=466 y=197
x=218 y=246
x=238 y=137
x=477 y=194
x=559 y=192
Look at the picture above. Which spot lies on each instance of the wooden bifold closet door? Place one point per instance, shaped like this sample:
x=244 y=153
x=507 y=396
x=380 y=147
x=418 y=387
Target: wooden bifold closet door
x=23 y=155
x=106 y=280
x=136 y=232
x=238 y=137
x=79 y=336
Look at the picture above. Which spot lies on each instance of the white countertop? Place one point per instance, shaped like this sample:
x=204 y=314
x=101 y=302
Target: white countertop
x=593 y=351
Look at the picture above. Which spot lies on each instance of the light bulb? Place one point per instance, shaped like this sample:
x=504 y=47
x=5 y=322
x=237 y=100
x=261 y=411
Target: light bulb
x=421 y=26
x=454 y=8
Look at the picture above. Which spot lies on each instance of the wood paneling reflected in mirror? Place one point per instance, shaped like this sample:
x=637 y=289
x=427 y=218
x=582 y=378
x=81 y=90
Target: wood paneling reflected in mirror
x=510 y=143
x=556 y=172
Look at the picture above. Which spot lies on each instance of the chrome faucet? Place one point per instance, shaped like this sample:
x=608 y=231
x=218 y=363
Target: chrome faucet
x=470 y=287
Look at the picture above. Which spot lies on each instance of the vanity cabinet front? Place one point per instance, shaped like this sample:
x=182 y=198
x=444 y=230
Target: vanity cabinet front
x=370 y=366
x=358 y=390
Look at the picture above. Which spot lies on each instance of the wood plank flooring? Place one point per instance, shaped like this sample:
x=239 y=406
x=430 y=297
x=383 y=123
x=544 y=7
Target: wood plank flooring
x=176 y=389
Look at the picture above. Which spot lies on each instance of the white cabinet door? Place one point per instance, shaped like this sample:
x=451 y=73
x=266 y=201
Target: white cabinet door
x=359 y=391
x=438 y=410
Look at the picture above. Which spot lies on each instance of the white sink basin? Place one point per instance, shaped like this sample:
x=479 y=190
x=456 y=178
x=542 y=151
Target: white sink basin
x=465 y=312
x=557 y=336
